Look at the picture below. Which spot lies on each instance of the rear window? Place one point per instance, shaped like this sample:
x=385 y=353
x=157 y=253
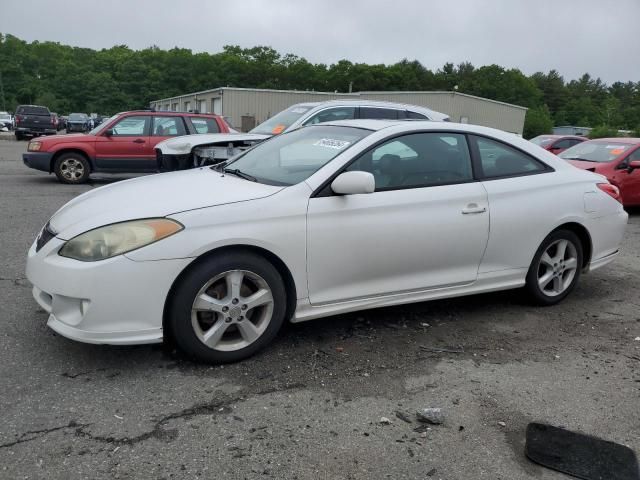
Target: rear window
x=204 y=125
x=32 y=110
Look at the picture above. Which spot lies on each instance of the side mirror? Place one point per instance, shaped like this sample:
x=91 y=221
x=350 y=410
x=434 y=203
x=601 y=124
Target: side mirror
x=108 y=132
x=633 y=165
x=353 y=183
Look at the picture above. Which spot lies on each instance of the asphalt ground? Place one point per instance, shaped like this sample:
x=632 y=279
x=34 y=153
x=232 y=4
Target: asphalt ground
x=310 y=406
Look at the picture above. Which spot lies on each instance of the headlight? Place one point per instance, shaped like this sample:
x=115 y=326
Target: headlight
x=118 y=238
x=34 y=146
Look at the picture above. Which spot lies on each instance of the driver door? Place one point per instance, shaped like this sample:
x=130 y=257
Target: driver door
x=125 y=150
x=426 y=225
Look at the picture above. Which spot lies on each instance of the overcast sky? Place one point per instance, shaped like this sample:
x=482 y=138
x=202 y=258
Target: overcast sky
x=601 y=37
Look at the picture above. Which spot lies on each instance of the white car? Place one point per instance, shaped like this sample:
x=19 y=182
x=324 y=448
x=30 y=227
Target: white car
x=325 y=219
x=205 y=149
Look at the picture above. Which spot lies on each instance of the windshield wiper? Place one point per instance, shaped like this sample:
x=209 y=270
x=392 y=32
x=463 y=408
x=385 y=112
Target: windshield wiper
x=219 y=167
x=238 y=173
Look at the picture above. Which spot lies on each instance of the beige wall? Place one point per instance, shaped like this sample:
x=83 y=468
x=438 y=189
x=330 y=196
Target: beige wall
x=263 y=104
x=478 y=111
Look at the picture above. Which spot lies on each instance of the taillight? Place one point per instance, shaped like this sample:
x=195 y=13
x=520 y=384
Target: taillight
x=611 y=190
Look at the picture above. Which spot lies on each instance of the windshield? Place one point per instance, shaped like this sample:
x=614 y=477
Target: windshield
x=600 y=152
x=295 y=156
x=74 y=117
x=280 y=122
x=102 y=125
x=5 y=116
x=542 y=140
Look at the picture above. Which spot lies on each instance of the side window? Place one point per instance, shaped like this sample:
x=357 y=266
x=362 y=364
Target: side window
x=416 y=116
x=418 y=160
x=575 y=141
x=500 y=160
x=168 y=127
x=378 y=113
x=332 y=114
x=204 y=125
x=635 y=156
x=566 y=143
x=132 y=127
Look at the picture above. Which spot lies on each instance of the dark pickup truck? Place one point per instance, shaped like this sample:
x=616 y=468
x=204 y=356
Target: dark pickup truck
x=34 y=120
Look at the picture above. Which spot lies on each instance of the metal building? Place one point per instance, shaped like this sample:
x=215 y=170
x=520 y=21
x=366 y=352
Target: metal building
x=246 y=107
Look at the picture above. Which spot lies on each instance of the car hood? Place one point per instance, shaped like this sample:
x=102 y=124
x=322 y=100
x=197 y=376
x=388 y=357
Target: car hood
x=157 y=195
x=184 y=144
x=66 y=138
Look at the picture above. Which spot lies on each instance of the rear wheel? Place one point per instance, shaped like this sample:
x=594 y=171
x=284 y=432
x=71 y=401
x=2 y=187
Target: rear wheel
x=19 y=136
x=71 y=168
x=228 y=307
x=555 y=269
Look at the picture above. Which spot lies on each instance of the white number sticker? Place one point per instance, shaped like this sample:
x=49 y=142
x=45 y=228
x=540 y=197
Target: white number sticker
x=332 y=143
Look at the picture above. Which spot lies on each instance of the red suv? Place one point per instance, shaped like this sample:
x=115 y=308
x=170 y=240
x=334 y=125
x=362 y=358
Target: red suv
x=122 y=144
x=557 y=143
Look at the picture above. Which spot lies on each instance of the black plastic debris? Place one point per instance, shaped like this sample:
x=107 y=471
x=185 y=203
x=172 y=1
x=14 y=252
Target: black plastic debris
x=580 y=455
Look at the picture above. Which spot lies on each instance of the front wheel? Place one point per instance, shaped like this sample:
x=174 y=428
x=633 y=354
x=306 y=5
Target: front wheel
x=228 y=307
x=555 y=269
x=71 y=168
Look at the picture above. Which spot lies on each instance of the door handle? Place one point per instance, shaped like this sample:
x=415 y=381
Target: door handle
x=473 y=208
x=138 y=140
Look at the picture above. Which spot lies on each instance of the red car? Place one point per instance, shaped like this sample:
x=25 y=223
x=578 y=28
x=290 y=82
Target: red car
x=618 y=159
x=122 y=144
x=557 y=143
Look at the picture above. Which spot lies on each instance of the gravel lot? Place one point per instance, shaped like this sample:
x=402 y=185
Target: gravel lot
x=310 y=406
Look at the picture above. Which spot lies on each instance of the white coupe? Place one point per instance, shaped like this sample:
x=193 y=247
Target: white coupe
x=326 y=219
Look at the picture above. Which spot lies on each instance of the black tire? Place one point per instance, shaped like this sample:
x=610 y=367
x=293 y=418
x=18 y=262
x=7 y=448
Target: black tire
x=81 y=167
x=190 y=285
x=538 y=269
x=19 y=136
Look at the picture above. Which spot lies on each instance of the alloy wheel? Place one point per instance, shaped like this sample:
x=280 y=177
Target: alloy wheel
x=557 y=267
x=232 y=310
x=71 y=169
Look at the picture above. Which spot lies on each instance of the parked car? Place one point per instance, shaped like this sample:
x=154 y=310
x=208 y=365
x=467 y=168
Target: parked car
x=6 y=121
x=327 y=219
x=59 y=124
x=209 y=149
x=33 y=120
x=557 y=143
x=62 y=121
x=123 y=143
x=78 y=122
x=618 y=159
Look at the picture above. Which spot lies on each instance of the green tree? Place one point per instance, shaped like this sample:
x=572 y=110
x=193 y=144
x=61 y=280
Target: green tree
x=537 y=122
x=603 y=131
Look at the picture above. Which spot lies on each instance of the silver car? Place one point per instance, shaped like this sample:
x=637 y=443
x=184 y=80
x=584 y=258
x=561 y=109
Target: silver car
x=196 y=150
x=319 y=112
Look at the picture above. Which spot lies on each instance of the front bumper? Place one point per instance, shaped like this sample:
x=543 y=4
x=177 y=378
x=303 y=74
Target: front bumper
x=38 y=160
x=117 y=301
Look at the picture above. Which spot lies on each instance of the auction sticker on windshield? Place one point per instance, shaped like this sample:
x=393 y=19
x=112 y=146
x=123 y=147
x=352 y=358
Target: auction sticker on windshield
x=332 y=143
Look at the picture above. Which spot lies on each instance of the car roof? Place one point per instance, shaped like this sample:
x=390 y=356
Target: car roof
x=168 y=113
x=365 y=103
x=630 y=140
x=561 y=136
